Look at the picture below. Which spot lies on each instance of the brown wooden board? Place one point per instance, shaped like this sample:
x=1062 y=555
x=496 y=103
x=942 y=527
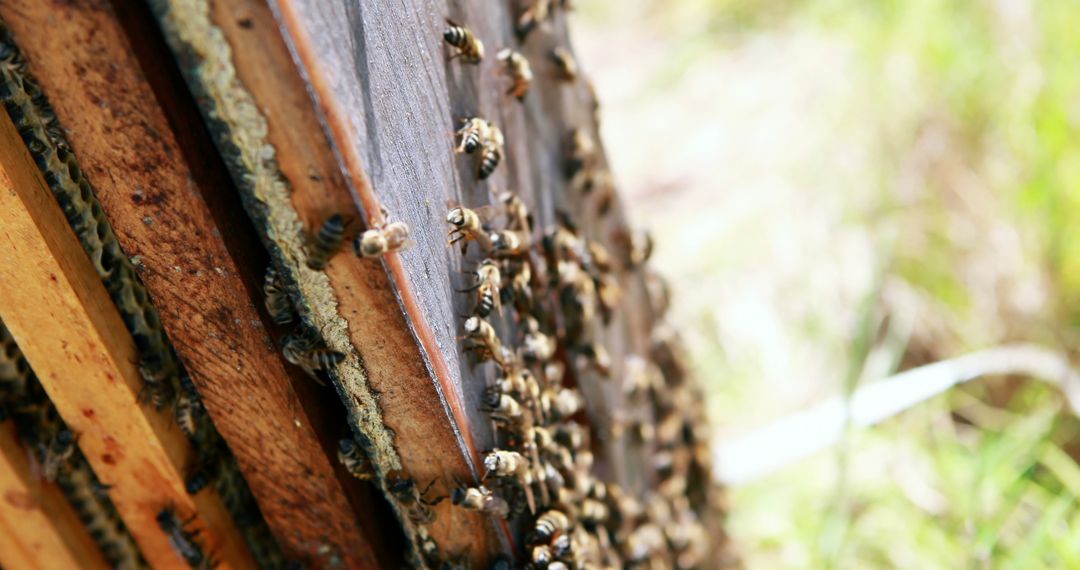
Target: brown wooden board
x=38 y=527
x=60 y=314
x=392 y=99
x=387 y=387
x=159 y=210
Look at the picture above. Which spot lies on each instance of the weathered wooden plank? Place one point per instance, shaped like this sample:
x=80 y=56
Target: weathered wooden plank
x=160 y=209
x=388 y=388
x=39 y=527
x=60 y=314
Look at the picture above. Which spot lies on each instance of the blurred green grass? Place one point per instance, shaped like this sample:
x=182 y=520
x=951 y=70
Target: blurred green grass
x=973 y=111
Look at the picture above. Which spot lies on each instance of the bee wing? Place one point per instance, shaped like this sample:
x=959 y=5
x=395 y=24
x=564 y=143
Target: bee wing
x=487 y=214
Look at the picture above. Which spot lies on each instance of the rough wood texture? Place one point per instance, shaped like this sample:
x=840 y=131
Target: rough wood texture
x=407 y=407
x=161 y=214
x=38 y=527
x=69 y=330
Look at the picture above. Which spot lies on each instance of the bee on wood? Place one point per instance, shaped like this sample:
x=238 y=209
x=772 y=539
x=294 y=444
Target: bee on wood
x=538 y=11
x=658 y=292
x=581 y=153
x=468 y=46
x=517 y=214
x=560 y=404
x=187 y=407
x=201 y=476
x=509 y=243
x=520 y=290
x=505 y=464
x=325 y=243
x=157 y=388
x=412 y=499
x=472 y=134
x=485 y=341
x=490 y=153
x=549 y=525
x=593 y=513
x=384 y=238
x=596 y=357
x=633 y=247
x=183 y=540
x=504 y=409
x=356 y=462
x=480 y=499
x=278 y=303
x=304 y=349
x=487 y=287
x=518 y=68
x=565 y=63
x=469 y=226
x=537 y=346
x=57 y=453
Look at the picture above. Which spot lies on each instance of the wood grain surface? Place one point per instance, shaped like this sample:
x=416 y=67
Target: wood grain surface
x=159 y=209
x=65 y=323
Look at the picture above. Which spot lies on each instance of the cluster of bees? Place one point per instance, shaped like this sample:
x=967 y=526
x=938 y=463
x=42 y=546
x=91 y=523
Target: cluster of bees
x=166 y=385
x=551 y=292
x=53 y=447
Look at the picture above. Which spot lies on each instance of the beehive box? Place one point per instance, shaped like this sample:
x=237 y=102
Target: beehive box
x=157 y=159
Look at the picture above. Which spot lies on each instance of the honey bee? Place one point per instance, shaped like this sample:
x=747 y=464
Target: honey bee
x=469 y=47
x=520 y=290
x=538 y=11
x=201 y=476
x=490 y=153
x=473 y=132
x=182 y=540
x=560 y=404
x=505 y=409
x=609 y=294
x=187 y=407
x=57 y=453
x=326 y=242
x=549 y=525
x=518 y=68
x=468 y=226
x=480 y=499
x=597 y=358
x=157 y=388
x=509 y=243
x=488 y=281
x=303 y=349
x=635 y=247
x=382 y=239
x=486 y=342
x=412 y=499
x=518 y=216
x=592 y=513
x=502 y=463
x=542 y=556
x=537 y=346
x=278 y=304
x=582 y=153
x=565 y=63
x=356 y=462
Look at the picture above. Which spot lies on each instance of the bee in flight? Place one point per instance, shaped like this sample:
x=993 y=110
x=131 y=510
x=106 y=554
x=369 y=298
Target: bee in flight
x=468 y=46
x=519 y=70
x=325 y=243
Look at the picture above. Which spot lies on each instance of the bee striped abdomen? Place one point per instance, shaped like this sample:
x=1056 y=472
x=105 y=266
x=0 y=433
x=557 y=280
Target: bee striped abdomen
x=278 y=304
x=326 y=242
x=489 y=159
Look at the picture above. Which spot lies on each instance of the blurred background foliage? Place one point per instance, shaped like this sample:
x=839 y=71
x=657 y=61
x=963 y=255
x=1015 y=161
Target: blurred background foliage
x=844 y=188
